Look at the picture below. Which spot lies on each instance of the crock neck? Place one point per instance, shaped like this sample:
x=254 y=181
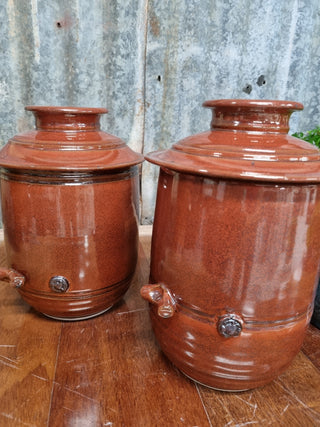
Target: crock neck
x=67 y=118
x=251 y=115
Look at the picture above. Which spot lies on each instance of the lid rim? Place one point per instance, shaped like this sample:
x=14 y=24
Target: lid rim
x=253 y=103
x=51 y=168
x=231 y=169
x=65 y=109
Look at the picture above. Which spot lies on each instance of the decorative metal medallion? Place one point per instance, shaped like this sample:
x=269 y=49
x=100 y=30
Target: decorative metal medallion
x=59 y=284
x=229 y=327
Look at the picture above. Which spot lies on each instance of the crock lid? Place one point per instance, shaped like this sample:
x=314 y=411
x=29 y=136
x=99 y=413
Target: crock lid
x=248 y=140
x=67 y=139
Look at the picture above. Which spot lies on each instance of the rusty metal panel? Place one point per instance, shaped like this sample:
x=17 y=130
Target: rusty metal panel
x=153 y=63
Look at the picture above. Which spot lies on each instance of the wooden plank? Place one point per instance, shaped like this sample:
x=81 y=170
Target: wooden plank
x=311 y=345
x=292 y=400
x=112 y=373
x=28 y=352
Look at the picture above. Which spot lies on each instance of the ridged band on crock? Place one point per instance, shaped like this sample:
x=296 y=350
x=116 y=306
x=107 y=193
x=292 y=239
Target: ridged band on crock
x=252 y=359
x=250 y=324
x=77 y=304
x=72 y=178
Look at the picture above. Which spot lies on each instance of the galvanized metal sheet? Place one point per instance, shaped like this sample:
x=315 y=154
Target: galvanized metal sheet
x=82 y=53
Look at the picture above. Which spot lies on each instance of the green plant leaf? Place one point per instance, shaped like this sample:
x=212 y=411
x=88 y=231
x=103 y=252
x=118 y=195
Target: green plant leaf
x=312 y=136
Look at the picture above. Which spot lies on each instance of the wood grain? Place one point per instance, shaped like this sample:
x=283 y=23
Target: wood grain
x=109 y=371
x=311 y=345
x=29 y=346
x=291 y=400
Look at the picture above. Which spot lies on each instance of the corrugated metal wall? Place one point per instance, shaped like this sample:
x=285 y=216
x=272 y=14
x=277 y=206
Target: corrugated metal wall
x=153 y=63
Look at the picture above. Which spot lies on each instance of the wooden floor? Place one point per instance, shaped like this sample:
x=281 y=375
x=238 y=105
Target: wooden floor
x=109 y=371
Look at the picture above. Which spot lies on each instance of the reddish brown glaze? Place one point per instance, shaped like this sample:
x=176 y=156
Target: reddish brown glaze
x=237 y=253
x=69 y=195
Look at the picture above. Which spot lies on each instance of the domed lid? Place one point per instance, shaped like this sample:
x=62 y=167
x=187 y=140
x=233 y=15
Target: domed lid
x=67 y=139
x=248 y=140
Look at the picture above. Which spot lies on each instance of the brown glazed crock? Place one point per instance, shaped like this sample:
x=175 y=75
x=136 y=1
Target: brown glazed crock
x=69 y=195
x=235 y=247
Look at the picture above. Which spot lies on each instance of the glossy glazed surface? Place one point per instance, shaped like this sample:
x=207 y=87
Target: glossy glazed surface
x=70 y=214
x=247 y=141
x=67 y=139
x=236 y=262
x=233 y=262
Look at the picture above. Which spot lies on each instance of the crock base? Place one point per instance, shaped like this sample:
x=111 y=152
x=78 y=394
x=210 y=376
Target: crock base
x=76 y=319
x=214 y=388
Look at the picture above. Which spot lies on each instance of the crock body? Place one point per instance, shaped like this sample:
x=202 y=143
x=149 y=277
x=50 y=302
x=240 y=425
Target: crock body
x=235 y=248
x=235 y=253
x=70 y=228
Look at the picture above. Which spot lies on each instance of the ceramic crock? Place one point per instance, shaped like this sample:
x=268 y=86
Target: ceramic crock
x=69 y=196
x=235 y=247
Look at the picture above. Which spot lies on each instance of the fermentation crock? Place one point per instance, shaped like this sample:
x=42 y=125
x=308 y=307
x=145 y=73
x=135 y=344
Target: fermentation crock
x=69 y=196
x=235 y=246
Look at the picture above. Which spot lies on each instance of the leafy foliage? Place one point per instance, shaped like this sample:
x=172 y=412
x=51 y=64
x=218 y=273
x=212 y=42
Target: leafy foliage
x=312 y=136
